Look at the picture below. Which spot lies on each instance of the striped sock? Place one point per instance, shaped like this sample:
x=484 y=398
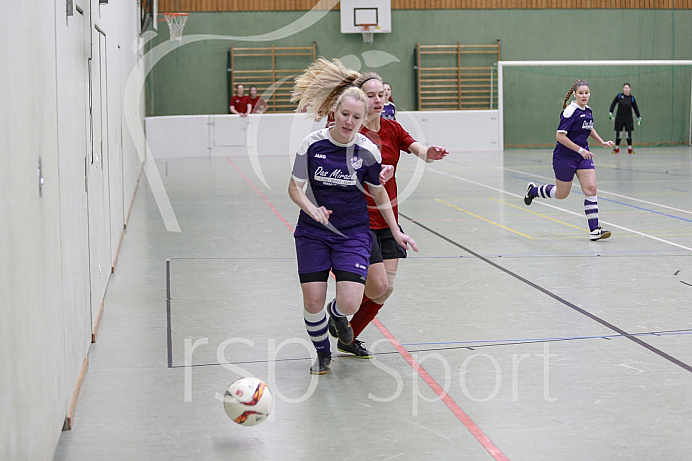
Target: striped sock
x=591 y=210
x=545 y=191
x=316 y=324
x=334 y=310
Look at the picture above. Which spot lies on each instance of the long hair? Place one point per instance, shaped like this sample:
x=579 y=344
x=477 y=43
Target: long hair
x=576 y=85
x=317 y=90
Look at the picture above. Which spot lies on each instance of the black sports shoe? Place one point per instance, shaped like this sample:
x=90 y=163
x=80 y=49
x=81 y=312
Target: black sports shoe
x=356 y=348
x=332 y=328
x=528 y=198
x=321 y=365
x=343 y=329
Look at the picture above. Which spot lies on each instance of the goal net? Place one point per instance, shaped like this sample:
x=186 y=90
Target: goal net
x=531 y=93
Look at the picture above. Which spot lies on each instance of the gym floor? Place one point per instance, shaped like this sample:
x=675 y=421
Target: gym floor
x=510 y=335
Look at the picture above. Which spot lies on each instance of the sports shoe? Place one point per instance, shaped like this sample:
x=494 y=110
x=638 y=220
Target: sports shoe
x=332 y=328
x=321 y=365
x=528 y=198
x=630 y=150
x=616 y=151
x=356 y=348
x=598 y=234
x=343 y=329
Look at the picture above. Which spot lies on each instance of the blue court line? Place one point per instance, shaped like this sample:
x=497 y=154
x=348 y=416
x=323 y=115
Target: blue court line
x=570 y=254
x=568 y=338
x=620 y=203
x=676 y=190
x=644 y=209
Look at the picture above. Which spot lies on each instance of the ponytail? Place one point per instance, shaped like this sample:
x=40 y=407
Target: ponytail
x=318 y=89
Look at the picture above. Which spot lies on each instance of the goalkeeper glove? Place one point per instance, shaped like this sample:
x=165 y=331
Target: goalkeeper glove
x=639 y=121
x=610 y=116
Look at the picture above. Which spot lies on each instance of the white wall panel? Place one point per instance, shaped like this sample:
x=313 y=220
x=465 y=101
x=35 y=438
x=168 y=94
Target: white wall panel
x=276 y=134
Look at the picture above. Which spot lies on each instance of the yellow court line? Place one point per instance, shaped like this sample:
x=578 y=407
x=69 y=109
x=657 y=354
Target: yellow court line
x=480 y=217
x=538 y=214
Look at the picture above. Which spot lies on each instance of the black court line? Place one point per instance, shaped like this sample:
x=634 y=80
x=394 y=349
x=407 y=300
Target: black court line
x=584 y=312
x=471 y=346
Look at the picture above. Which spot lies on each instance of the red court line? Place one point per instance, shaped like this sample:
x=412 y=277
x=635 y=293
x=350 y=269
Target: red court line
x=283 y=220
x=451 y=404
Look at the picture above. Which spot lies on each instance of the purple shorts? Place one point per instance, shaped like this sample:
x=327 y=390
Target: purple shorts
x=319 y=252
x=566 y=165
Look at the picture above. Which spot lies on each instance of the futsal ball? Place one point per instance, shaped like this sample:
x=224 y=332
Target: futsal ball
x=248 y=401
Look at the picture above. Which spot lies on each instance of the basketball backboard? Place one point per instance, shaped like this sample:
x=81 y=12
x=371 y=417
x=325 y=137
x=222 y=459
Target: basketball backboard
x=376 y=14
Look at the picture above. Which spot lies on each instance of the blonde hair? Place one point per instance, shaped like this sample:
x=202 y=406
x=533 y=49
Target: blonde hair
x=576 y=85
x=357 y=95
x=319 y=89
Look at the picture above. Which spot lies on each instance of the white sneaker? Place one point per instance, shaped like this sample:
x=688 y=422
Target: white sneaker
x=598 y=234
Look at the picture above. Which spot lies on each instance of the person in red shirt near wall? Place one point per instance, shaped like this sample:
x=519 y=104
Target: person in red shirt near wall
x=240 y=103
x=258 y=105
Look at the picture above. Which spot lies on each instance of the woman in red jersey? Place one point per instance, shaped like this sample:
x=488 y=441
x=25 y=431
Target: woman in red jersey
x=392 y=139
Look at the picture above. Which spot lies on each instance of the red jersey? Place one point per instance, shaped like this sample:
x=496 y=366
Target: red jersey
x=391 y=140
x=240 y=103
x=258 y=102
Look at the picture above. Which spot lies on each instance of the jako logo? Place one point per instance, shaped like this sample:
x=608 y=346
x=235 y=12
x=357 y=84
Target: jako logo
x=320 y=156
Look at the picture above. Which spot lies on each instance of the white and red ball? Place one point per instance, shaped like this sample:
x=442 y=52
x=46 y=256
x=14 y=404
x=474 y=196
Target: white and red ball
x=248 y=401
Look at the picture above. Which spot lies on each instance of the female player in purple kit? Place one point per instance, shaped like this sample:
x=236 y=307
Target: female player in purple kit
x=333 y=231
x=572 y=156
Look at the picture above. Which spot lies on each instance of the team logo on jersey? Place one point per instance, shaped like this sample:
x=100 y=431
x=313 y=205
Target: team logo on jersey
x=357 y=163
x=587 y=125
x=335 y=177
x=320 y=156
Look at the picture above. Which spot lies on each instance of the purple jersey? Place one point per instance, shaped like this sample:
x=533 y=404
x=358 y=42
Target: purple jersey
x=577 y=123
x=335 y=174
x=389 y=111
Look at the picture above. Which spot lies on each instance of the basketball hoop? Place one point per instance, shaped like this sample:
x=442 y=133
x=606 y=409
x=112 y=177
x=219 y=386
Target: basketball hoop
x=367 y=33
x=176 y=23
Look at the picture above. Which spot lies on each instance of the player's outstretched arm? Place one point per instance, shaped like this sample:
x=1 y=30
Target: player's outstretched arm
x=593 y=135
x=428 y=154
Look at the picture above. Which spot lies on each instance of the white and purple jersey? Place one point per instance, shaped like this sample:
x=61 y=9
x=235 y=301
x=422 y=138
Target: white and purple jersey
x=389 y=111
x=577 y=124
x=335 y=174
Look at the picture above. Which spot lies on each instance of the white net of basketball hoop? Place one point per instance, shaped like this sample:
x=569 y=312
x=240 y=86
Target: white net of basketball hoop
x=367 y=32
x=176 y=23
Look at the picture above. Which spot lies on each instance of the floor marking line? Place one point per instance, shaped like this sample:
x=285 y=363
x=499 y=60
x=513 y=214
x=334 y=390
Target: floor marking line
x=484 y=219
x=444 y=396
x=601 y=191
x=584 y=312
x=276 y=212
x=458 y=412
x=544 y=203
x=524 y=209
x=457 y=346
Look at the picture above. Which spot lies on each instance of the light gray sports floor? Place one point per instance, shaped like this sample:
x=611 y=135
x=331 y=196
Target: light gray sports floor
x=543 y=344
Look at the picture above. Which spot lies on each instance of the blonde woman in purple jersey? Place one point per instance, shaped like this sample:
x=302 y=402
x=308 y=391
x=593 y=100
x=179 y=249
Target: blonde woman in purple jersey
x=331 y=168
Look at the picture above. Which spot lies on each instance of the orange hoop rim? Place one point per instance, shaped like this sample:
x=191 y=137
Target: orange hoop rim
x=366 y=27
x=172 y=15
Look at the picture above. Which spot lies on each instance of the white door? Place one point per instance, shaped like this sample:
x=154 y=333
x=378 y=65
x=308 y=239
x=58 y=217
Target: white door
x=97 y=177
